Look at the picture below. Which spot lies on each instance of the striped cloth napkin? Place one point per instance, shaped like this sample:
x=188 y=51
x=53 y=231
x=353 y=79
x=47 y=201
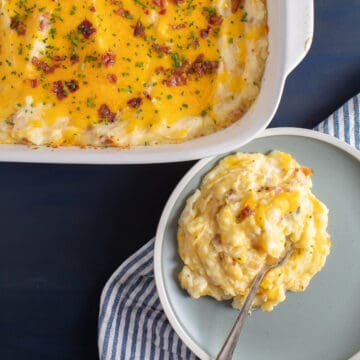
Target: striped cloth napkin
x=132 y=324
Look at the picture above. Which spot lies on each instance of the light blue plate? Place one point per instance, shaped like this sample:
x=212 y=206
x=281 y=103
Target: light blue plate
x=321 y=323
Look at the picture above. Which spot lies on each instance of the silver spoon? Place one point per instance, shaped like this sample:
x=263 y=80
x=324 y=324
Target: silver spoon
x=229 y=346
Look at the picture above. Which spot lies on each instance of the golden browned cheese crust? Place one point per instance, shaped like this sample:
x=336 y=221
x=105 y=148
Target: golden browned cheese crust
x=127 y=72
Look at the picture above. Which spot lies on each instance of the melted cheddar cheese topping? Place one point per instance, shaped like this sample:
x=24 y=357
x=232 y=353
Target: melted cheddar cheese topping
x=127 y=72
x=249 y=208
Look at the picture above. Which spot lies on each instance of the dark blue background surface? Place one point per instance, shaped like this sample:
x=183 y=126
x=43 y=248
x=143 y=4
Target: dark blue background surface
x=65 y=229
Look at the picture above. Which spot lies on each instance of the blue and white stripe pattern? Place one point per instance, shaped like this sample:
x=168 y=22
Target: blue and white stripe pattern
x=132 y=324
x=344 y=123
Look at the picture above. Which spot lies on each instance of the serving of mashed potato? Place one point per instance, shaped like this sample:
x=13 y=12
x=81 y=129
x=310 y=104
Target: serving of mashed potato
x=126 y=73
x=249 y=207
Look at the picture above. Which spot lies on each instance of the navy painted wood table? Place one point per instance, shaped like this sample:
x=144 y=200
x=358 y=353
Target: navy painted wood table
x=65 y=229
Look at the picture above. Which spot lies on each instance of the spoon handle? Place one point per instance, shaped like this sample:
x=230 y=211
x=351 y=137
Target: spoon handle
x=228 y=348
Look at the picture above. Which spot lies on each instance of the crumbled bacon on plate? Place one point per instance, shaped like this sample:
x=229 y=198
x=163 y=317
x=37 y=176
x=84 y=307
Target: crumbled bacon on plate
x=215 y=19
x=105 y=113
x=59 y=90
x=161 y=49
x=18 y=25
x=159 y=69
x=203 y=67
x=204 y=33
x=108 y=59
x=72 y=85
x=42 y=65
x=59 y=57
x=34 y=82
x=86 y=29
x=178 y=26
x=177 y=78
x=135 y=102
x=159 y=3
x=199 y=67
x=124 y=13
x=112 y=78
x=139 y=29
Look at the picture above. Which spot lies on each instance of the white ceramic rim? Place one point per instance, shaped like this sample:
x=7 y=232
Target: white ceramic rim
x=291 y=23
x=159 y=280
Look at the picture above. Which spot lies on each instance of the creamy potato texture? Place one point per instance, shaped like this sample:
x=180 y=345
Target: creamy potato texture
x=248 y=208
x=127 y=72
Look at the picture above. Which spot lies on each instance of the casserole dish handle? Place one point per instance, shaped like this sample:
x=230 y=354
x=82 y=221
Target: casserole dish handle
x=299 y=31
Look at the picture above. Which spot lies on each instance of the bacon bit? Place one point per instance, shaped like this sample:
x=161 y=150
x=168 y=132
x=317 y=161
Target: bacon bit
x=36 y=61
x=34 y=82
x=177 y=78
x=215 y=19
x=74 y=59
x=47 y=69
x=92 y=8
x=201 y=67
x=105 y=113
x=72 y=85
x=159 y=69
x=124 y=13
x=146 y=11
x=108 y=59
x=18 y=25
x=59 y=57
x=178 y=26
x=161 y=49
x=185 y=67
x=112 y=78
x=245 y=212
x=59 y=90
x=159 y=3
x=139 y=29
x=147 y=95
x=135 y=102
x=86 y=28
x=204 y=33
x=235 y=4
x=44 y=21
x=178 y=2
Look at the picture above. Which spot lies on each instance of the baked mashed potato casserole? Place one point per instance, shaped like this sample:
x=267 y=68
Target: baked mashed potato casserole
x=248 y=209
x=127 y=72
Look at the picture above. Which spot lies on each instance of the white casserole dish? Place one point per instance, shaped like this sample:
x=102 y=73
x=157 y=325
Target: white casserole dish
x=290 y=37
